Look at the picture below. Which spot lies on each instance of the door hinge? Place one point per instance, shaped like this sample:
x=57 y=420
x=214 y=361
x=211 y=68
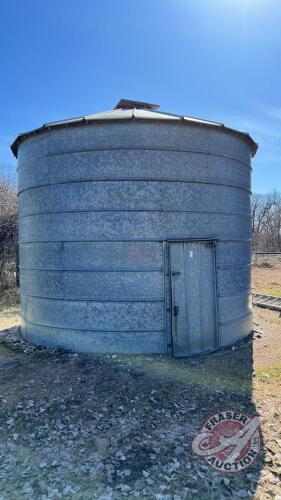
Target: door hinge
x=176 y=310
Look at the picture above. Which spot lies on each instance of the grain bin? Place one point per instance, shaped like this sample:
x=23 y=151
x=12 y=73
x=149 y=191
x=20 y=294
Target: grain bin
x=135 y=232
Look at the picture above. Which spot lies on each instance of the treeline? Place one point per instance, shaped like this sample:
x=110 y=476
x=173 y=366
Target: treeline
x=266 y=222
x=8 y=235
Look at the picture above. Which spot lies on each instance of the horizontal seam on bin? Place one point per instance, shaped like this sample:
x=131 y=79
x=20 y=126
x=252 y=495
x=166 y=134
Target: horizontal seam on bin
x=235 y=320
x=235 y=292
x=90 y=329
x=98 y=299
x=132 y=180
x=120 y=270
x=233 y=267
x=161 y=211
x=144 y=240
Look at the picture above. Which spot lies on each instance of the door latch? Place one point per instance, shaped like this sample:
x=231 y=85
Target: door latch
x=175 y=273
x=176 y=310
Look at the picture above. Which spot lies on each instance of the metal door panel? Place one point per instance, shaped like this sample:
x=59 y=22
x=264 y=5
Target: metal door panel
x=178 y=286
x=208 y=297
x=194 y=328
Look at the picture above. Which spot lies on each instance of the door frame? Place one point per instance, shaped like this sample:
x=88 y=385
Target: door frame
x=168 y=289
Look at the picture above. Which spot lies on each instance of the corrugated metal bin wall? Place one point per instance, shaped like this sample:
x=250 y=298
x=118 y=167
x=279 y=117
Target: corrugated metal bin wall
x=97 y=204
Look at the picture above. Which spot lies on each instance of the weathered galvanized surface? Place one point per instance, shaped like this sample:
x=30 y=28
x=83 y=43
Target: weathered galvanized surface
x=98 y=202
x=194 y=326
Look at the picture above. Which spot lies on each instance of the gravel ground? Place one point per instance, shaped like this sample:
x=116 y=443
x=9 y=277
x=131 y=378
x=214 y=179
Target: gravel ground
x=107 y=427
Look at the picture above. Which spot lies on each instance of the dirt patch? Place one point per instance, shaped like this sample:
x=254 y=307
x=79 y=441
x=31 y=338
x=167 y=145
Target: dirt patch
x=266 y=275
x=9 y=318
x=267 y=347
x=89 y=426
x=107 y=427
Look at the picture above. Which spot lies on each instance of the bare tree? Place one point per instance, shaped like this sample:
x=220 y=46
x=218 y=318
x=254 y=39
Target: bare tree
x=266 y=222
x=8 y=234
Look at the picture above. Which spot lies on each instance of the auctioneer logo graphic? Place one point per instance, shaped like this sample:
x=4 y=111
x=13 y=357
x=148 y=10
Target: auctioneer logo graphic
x=229 y=441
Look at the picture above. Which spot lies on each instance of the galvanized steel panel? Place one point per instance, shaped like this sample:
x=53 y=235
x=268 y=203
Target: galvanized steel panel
x=127 y=225
x=235 y=330
x=97 y=342
x=91 y=255
x=133 y=195
x=126 y=164
x=90 y=285
x=95 y=315
x=134 y=135
x=234 y=280
x=47 y=254
x=133 y=255
x=233 y=253
x=234 y=306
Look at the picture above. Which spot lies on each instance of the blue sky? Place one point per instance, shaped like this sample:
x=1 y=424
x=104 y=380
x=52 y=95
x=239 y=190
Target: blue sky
x=215 y=59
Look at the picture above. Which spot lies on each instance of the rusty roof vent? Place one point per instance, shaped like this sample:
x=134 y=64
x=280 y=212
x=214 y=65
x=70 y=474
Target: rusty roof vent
x=128 y=104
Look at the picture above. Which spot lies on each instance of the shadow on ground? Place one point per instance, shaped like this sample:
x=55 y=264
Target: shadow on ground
x=89 y=426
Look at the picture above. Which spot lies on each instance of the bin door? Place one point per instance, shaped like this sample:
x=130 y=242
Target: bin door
x=193 y=297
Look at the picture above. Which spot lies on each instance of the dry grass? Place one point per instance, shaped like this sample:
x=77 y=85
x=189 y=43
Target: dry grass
x=9 y=299
x=266 y=275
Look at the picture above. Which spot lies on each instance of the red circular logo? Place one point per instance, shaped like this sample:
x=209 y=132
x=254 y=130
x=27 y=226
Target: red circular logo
x=229 y=441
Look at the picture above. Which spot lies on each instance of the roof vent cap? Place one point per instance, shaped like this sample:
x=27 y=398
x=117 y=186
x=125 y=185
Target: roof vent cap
x=128 y=104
